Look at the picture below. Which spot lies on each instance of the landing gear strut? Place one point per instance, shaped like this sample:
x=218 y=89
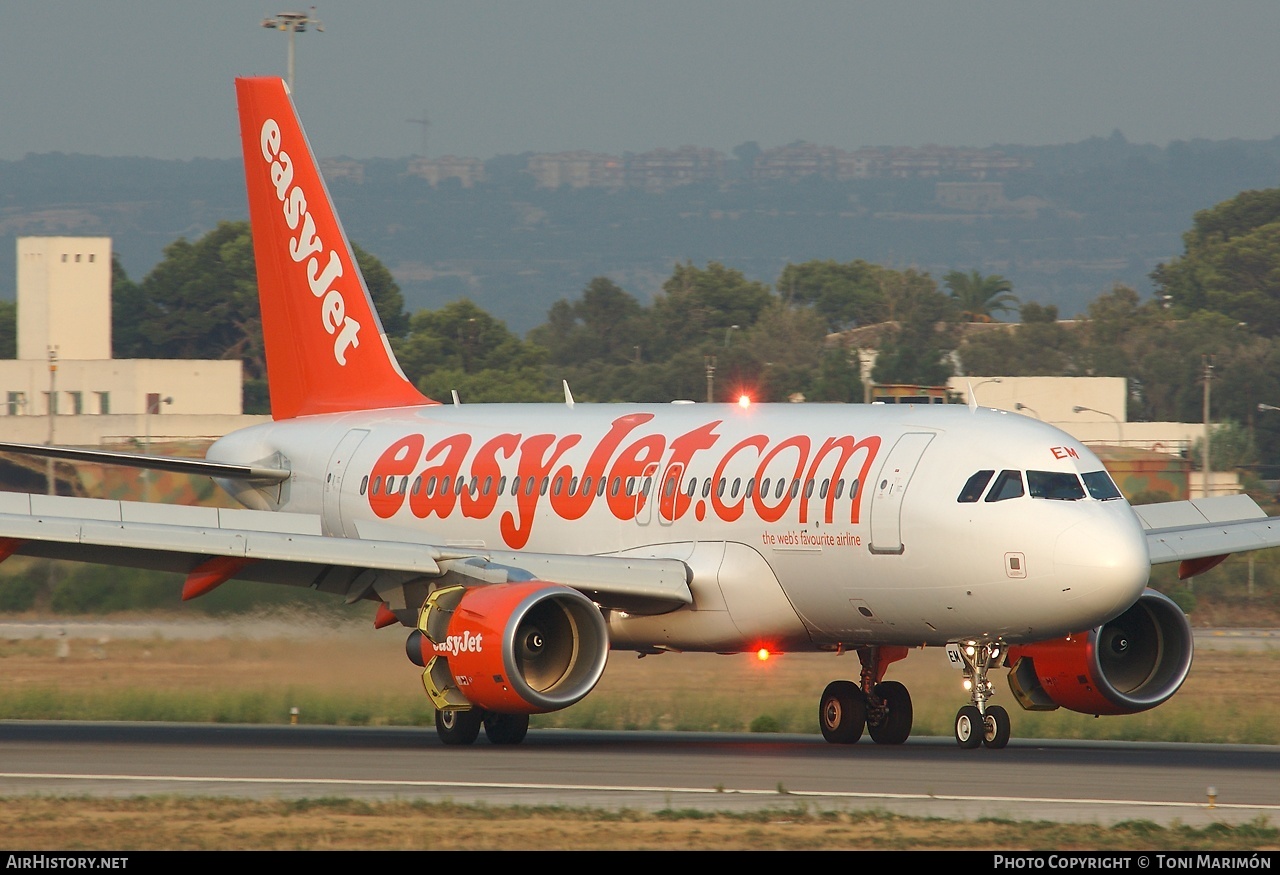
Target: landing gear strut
x=979 y=723
x=882 y=708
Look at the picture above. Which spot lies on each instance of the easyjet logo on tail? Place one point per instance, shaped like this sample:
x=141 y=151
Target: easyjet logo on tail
x=307 y=245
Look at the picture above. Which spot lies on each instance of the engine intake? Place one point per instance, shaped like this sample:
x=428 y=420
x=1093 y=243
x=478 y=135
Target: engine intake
x=1130 y=664
x=515 y=648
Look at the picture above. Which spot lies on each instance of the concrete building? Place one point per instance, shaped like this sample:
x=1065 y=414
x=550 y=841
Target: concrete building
x=65 y=388
x=1093 y=409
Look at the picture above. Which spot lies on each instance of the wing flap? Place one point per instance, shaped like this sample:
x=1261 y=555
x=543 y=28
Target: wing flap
x=636 y=586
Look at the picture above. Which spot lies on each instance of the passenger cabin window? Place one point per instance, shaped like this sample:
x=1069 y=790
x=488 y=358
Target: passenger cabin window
x=974 y=485
x=1057 y=485
x=1008 y=485
x=1101 y=486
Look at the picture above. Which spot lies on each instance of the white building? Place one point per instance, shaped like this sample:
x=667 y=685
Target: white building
x=1092 y=409
x=65 y=388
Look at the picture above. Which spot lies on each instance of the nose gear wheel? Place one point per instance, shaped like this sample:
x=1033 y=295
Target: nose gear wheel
x=979 y=723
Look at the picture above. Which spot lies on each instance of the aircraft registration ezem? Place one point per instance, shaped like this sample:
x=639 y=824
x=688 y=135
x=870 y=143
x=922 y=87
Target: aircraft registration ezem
x=520 y=543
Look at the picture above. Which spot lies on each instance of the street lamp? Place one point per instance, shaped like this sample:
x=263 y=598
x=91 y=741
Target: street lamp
x=1119 y=429
x=1021 y=407
x=50 y=483
x=974 y=389
x=726 y=334
x=1268 y=407
x=293 y=22
x=153 y=406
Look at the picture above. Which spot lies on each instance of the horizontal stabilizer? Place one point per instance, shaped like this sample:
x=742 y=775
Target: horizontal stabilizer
x=177 y=464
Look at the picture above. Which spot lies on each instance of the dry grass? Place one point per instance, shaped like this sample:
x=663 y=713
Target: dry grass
x=359 y=676
x=344 y=825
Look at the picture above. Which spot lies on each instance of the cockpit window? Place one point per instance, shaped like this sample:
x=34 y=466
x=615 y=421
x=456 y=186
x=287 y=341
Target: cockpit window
x=1008 y=485
x=1100 y=485
x=973 y=488
x=1059 y=485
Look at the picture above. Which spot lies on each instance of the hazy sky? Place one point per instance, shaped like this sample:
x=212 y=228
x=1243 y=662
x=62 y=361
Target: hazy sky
x=146 y=77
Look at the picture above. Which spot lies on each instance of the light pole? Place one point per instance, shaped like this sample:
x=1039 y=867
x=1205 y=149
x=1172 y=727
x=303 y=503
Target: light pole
x=292 y=23
x=710 y=362
x=153 y=406
x=1021 y=407
x=974 y=389
x=727 y=331
x=1208 y=378
x=53 y=412
x=1119 y=429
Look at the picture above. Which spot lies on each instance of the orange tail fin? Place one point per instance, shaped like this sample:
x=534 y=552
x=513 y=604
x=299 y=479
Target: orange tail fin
x=325 y=346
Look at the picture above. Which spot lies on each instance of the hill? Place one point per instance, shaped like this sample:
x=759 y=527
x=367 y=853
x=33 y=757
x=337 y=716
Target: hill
x=1064 y=225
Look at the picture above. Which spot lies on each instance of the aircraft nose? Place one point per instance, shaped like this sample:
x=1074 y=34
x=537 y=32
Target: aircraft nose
x=1104 y=560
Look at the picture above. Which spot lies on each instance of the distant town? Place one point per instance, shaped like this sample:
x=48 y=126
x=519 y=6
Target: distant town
x=662 y=169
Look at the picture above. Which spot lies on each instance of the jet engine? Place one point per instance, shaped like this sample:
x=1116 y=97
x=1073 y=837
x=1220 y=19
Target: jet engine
x=1127 y=665
x=510 y=648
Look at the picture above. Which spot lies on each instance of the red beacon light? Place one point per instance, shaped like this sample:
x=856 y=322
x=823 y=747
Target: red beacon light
x=744 y=400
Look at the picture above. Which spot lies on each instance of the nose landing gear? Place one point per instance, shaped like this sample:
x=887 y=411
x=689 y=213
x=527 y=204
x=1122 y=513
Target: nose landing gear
x=979 y=724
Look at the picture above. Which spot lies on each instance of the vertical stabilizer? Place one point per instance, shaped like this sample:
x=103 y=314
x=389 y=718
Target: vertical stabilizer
x=325 y=347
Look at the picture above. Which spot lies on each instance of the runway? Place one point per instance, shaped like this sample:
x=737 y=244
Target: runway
x=1101 y=782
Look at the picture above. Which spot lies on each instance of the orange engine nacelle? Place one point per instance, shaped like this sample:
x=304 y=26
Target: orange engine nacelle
x=516 y=648
x=1130 y=664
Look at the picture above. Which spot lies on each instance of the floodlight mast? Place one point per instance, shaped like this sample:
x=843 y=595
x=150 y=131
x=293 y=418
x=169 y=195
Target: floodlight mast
x=293 y=23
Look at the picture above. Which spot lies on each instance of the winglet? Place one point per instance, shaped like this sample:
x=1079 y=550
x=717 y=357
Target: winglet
x=325 y=347
x=568 y=396
x=973 y=402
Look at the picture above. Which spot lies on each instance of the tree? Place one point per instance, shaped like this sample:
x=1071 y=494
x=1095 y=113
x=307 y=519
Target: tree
x=979 y=298
x=605 y=324
x=698 y=306
x=8 y=329
x=1231 y=263
x=845 y=295
x=915 y=352
x=1039 y=346
x=196 y=302
x=129 y=313
x=461 y=347
x=387 y=299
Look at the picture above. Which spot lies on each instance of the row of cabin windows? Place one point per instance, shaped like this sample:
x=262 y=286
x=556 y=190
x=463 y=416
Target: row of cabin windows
x=444 y=485
x=1056 y=485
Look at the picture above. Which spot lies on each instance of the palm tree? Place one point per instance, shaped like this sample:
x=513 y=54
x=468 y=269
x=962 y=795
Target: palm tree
x=979 y=298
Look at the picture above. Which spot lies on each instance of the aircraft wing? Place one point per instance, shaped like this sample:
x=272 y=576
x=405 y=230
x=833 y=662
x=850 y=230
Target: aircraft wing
x=211 y=545
x=1206 y=528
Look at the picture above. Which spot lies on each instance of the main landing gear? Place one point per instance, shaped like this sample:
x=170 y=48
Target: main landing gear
x=463 y=726
x=882 y=708
x=980 y=724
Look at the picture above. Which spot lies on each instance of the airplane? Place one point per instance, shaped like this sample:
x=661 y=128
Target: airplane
x=521 y=544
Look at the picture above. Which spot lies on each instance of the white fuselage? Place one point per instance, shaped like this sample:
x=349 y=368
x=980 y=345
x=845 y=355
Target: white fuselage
x=805 y=526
